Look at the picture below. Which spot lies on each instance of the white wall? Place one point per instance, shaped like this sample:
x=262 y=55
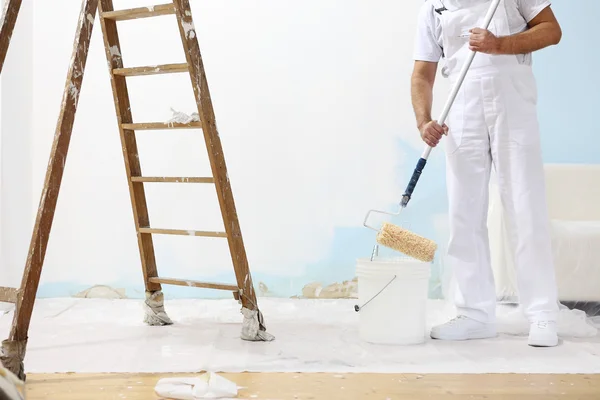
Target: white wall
x=15 y=150
x=311 y=99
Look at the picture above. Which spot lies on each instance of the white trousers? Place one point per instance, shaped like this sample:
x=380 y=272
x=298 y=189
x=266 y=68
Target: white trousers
x=493 y=123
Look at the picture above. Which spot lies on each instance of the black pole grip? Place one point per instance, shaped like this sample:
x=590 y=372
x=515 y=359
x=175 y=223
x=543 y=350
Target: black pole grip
x=413 y=181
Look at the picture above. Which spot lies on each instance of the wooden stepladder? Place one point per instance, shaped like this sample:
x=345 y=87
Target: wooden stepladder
x=253 y=328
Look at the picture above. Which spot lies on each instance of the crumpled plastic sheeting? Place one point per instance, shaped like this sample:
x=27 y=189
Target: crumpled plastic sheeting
x=253 y=328
x=576 y=249
x=183 y=118
x=12 y=355
x=11 y=387
x=207 y=386
x=154 y=310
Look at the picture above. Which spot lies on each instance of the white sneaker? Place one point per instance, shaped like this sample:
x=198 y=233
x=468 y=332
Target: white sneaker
x=543 y=334
x=463 y=328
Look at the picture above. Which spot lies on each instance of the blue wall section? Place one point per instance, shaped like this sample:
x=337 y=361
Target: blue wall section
x=569 y=86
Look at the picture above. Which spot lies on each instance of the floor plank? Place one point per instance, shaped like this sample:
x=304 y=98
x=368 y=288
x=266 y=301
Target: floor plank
x=290 y=386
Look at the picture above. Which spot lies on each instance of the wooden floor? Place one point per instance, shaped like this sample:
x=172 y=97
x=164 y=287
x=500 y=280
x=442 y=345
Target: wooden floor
x=328 y=386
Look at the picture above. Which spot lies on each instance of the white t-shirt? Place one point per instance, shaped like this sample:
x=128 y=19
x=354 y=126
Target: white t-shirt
x=428 y=41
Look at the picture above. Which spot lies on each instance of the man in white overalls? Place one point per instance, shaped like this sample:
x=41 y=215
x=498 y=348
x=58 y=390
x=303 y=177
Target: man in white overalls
x=493 y=122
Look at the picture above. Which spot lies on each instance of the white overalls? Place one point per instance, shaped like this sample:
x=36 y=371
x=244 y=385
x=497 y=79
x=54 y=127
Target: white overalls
x=493 y=122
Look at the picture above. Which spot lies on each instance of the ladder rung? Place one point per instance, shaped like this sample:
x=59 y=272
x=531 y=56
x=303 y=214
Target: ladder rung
x=182 y=232
x=206 y=285
x=148 y=126
x=140 y=12
x=8 y=295
x=151 y=70
x=173 y=179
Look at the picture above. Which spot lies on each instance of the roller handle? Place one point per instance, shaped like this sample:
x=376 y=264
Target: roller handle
x=413 y=182
x=423 y=160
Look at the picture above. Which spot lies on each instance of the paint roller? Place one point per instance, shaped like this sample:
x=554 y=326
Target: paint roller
x=398 y=238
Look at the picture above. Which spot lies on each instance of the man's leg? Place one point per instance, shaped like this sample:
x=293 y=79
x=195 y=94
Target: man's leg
x=516 y=151
x=468 y=172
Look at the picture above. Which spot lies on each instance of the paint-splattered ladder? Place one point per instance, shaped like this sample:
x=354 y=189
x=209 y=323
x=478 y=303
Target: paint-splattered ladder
x=109 y=18
x=24 y=297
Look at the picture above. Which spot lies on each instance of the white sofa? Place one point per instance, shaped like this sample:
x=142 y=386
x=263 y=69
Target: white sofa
x=573 y=196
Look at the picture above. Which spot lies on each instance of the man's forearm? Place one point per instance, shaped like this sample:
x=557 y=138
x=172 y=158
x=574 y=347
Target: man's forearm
x=422 y=99
x=534 y=39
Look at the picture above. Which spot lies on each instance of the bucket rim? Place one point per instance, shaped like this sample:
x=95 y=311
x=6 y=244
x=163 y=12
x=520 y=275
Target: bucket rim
x=389 y=274
x=393 y=260
x=412 y=270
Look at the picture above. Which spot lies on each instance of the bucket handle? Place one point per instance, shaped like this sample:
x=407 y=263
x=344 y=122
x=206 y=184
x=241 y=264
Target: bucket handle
x=375 y=252
x=357 y=308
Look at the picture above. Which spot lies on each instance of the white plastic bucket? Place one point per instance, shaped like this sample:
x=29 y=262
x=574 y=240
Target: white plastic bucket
x=397 y=315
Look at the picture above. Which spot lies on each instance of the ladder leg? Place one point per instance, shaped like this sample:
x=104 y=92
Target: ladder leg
x=215 y=152
x=154 y=304
x=217 y=159
x=129 y=146
x=14 y=347
x=7 y=25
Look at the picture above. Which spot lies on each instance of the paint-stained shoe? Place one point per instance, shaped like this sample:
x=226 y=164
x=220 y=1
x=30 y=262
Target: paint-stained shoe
x=463 y=328
x=543 y=334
